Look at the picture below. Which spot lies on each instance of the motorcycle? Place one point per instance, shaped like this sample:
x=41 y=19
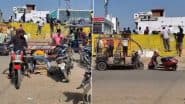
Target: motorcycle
x=85 y=54
x=64 y=63
x=17 y=67
x=168 y=63
x=86 y=82
x=86 y=86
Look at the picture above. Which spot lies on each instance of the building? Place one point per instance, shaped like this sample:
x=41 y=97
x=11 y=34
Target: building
x=29 y=13
x=71 y=16
x=155 y=20
x=102 y=25
x=116 y=26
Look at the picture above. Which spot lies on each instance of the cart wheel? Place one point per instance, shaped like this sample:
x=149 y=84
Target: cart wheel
x=102 y=66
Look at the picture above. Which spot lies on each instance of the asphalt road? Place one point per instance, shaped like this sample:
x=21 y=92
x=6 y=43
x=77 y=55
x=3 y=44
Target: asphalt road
x=40 y=88
x=138 y=87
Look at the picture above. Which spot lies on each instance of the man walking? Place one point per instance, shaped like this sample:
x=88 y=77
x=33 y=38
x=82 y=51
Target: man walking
x=40 y=25
x=166 y=38
x=179 y=40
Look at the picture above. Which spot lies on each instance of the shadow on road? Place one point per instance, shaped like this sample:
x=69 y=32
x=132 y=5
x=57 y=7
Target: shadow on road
x=5 y=71
x=76 y=98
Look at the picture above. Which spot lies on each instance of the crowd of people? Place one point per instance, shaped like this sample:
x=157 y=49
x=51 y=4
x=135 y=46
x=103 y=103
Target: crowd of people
x=179 y=36
x=16 y=37
x=106 y=44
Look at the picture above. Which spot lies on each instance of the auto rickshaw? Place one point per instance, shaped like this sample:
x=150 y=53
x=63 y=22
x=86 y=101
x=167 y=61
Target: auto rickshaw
x=104 y=62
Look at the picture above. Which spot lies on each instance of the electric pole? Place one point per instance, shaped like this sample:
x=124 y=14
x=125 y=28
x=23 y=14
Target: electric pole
x=106 y=7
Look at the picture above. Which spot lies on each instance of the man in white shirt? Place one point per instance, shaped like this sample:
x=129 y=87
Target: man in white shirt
x=40 y=25
x=125 y=42
x=165 y=35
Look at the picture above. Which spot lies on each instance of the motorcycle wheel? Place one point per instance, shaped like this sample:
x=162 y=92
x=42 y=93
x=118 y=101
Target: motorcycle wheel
x=102 y=66
x=17 y=79
x=87 y=99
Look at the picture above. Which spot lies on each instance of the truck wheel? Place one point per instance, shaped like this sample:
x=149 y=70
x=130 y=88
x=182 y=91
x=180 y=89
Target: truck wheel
x=102 y=66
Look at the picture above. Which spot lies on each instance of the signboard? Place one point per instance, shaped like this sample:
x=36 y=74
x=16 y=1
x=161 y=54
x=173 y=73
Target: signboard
x=98 y=19
x=149 y=19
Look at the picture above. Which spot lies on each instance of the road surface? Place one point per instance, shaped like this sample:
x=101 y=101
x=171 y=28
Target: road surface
x=138 y=87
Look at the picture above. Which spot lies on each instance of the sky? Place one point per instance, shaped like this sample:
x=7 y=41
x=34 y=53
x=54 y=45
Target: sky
x=7 y=5
x=124 y=9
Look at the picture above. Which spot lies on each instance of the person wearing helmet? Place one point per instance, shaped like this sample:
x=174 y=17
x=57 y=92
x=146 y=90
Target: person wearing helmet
x=19 y=43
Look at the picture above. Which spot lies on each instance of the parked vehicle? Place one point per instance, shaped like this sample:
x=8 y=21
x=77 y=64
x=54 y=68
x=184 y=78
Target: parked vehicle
x=17 y=67
x=85 y=55
x=64 y=62
x=167 y=63
x=103 y=63
x=86 y=86
x=86 y=82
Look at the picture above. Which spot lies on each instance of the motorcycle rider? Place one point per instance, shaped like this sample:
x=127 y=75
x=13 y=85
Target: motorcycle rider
x=19 y=43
